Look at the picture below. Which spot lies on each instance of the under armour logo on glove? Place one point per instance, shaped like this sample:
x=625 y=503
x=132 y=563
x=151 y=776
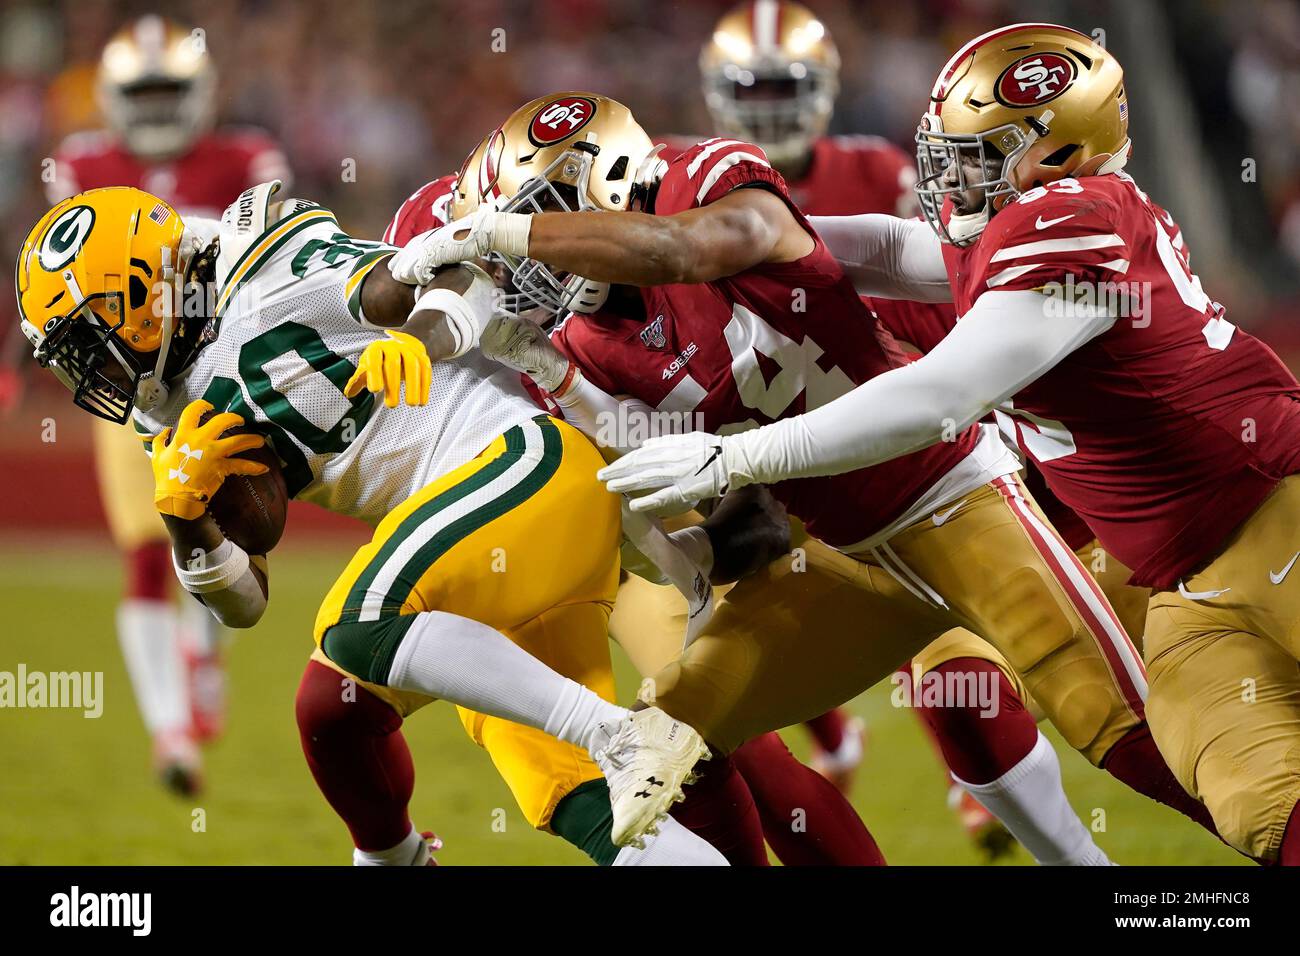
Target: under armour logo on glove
x=650 y=782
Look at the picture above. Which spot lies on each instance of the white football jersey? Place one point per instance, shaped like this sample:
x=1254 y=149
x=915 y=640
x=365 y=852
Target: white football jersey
x=289 y=336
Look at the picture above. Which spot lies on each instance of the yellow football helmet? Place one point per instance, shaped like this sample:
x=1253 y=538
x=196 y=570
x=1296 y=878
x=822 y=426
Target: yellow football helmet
x=157 y=87
x=99 y=283
x=1016 y=108
x=771 y=74
x=566 y=152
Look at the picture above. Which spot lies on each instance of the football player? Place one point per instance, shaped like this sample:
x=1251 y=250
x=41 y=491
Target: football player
x=157 y=92
x=277 y=318
x=758 y=322
x=1174 y=434
x=740 y=802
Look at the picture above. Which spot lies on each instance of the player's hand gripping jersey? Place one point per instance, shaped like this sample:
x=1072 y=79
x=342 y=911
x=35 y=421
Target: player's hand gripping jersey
x=288 y=335
x=1168 y=429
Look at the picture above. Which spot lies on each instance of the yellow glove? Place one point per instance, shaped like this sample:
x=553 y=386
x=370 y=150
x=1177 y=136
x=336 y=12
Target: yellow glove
x=388 y=363
x=190 y=467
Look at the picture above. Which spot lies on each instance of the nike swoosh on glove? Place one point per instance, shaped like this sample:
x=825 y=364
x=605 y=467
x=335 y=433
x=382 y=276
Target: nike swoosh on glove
x=670 y=474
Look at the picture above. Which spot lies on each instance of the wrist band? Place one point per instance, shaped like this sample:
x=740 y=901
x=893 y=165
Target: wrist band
x=571 y=375
x=510 y=233
x=214 y=570
x=460 y=318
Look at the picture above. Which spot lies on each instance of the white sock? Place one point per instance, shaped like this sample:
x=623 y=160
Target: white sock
x=1030 y=802
x=674 y=846
x=412 y=851
x=201 y=633
x=465 y=662
x=147 y=631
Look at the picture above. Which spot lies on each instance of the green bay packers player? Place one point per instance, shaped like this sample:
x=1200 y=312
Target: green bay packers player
x=495 y=550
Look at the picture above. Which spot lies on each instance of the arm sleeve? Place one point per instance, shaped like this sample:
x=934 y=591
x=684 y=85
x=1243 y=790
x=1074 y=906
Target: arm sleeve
x=1007 y=340
x=886 y=256
x=621 y=424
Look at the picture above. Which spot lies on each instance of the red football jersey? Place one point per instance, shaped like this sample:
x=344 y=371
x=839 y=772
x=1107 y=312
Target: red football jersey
x=201 y=182
x=848 y=176
x=770 y=342
x=1166 y=431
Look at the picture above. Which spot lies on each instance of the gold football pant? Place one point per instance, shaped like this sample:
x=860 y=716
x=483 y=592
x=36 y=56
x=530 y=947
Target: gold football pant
x=524 y=539
x=125 y=486
x=1128 y=602
x=815 y=629
x=1224 y=704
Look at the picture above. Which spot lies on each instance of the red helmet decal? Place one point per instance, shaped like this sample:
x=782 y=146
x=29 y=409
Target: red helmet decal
x=1034 y=79
x=489 y=170
x=560 y=119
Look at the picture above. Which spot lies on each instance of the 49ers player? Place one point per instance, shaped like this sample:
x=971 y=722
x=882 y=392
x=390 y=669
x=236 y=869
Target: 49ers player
x=742 y=316
x=1175 y=435
x=157 y=91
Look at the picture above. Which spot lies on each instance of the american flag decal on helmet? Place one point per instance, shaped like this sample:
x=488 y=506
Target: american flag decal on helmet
x=160 y=214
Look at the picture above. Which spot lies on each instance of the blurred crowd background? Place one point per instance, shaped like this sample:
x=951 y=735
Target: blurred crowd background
x=405 y=89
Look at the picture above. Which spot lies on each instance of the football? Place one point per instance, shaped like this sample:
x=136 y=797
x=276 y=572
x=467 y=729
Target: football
x=251 y=510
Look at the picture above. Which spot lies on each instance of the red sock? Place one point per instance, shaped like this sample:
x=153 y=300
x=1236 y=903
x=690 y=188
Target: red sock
x=828 y=730
x=1136 y=762
x=979 y=748
x=720 y=809
x=805 y=819
x=149 y=571
x=357 y=754
x=1289 y=852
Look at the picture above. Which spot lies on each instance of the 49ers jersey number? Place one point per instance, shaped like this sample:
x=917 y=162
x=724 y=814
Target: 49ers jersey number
x=749 y=337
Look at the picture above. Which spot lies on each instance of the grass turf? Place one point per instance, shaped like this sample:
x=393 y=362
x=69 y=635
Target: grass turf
x=80 y=791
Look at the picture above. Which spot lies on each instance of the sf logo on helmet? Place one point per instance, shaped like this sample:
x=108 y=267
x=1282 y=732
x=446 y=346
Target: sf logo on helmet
x=560 y=119
x=1034 y=80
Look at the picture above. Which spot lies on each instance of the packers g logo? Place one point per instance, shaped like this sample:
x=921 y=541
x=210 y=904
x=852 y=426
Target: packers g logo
x=1035 y=79
x=65 y=237
x=560 y=119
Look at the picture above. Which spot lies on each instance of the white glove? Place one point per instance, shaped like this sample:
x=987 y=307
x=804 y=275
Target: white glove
x=462 y=240
x=522 y=345
x=671 y=474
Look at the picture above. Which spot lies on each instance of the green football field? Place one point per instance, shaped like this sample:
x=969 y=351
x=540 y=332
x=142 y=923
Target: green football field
x=79 y=791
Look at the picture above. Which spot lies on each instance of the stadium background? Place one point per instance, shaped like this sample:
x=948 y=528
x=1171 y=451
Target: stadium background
x=400 y=91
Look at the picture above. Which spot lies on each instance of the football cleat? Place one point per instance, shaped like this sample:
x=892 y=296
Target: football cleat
x=841 y=765
x=992 y=839
x=177 y=762
x=649 y=756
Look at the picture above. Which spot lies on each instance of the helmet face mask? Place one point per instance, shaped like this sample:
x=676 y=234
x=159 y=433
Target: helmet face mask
x=974 y=170
x=86 y=355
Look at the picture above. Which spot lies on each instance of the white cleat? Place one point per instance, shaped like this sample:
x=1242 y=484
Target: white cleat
x=646 y=761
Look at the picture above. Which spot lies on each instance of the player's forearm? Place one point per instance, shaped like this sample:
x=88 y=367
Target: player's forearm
x=231 y=583
x=621 y=424
x=631 y=248
x=886 y=256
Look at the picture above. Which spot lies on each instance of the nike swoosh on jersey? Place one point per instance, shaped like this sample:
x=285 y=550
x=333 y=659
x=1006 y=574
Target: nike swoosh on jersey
x=1200 y=595
x=1277 y=577
x=939 y=517
x=1040 y=223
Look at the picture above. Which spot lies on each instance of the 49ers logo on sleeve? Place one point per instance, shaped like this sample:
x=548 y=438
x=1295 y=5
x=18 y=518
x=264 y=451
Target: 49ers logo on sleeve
x=560 y=119
x=1034 y=79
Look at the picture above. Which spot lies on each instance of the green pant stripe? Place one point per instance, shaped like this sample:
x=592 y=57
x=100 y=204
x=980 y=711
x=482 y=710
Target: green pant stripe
x=463 y=527
x=515 y=446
